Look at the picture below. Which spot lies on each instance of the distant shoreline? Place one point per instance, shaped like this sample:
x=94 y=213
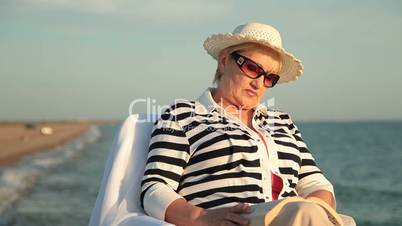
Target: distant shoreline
x=89 y=121
x=19 y=139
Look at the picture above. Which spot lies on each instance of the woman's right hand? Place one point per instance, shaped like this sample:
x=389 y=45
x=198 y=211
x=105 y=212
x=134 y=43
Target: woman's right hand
x=182 y=213
x=228 y=216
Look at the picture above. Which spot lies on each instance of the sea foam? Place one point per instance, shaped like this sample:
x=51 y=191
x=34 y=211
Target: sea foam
x=17 y=180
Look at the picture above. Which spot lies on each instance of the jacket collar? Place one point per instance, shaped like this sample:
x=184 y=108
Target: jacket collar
x=209 y=104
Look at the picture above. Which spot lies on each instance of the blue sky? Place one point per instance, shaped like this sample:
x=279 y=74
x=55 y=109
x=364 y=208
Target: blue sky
x=67 y=59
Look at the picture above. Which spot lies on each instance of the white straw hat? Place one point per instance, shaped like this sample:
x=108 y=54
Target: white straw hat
x=263 y=34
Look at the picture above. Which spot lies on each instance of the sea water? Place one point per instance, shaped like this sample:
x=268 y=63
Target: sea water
x=362 y=159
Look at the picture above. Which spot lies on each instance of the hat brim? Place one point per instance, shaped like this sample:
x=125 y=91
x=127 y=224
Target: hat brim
x=292 y=68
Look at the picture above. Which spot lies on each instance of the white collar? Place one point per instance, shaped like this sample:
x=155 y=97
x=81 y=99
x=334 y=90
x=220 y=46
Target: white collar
x=210 y=105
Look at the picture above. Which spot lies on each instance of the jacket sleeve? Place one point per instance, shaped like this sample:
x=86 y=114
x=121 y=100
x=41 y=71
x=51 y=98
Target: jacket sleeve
x=167 y=158
x=310 y=177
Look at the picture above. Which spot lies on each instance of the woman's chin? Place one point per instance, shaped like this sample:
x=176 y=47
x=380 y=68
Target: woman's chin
x=251 y=102
x=247 y=105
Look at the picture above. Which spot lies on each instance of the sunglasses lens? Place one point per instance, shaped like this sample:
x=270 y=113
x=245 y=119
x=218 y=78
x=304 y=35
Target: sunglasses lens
x=270 y=80
x=251 y=69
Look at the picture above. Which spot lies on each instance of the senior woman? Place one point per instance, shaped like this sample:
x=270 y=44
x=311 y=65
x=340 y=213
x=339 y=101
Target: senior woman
x=210 y=159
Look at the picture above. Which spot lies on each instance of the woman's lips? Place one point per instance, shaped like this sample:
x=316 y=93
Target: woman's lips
x=251 y=92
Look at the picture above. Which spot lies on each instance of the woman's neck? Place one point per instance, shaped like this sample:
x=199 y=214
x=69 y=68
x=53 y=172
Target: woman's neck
x=245 y=115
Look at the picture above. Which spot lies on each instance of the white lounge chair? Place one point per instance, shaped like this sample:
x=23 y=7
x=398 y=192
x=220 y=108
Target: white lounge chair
x=118 y=200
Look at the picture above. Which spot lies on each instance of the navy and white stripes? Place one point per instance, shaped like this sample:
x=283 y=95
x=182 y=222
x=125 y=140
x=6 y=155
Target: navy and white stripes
x=199 y=153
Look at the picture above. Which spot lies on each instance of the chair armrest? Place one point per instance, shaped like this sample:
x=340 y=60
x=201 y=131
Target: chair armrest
x=140 y=219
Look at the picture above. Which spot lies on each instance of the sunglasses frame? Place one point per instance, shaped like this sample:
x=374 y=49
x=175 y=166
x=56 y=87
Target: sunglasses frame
x=241 y=60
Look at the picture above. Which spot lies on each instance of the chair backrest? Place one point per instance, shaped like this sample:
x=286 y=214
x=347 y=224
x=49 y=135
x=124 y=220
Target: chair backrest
x=131 y=183
x=120 y=189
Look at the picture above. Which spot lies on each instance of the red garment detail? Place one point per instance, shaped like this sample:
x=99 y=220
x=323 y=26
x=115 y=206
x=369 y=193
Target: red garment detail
x=277 y=183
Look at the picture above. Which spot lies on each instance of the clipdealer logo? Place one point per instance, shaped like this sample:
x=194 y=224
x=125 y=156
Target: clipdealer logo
x=153 y=110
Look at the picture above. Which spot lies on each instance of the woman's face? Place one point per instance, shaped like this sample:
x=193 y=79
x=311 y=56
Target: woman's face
x=239 y=90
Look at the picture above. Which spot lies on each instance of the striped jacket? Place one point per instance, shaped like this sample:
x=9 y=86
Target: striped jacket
x=200 y=153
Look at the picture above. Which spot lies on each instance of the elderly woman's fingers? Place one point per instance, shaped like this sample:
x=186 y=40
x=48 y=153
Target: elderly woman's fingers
x=241 y=208
x=237 y=219
x=228 y=223
x=230 y=216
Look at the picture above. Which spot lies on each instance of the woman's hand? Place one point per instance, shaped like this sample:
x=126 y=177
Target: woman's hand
x=181 y=213
x=229 y=216
x=326 y=196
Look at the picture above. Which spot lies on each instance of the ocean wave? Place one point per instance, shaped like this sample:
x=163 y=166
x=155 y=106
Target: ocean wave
x=17 y=180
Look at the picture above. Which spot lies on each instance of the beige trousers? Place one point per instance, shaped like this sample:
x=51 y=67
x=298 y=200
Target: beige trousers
x=301 y=214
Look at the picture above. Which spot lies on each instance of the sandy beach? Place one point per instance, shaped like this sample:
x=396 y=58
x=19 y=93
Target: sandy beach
x=21 y=139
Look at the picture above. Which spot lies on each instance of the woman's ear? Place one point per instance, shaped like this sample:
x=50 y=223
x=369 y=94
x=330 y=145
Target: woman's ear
x=222 y=61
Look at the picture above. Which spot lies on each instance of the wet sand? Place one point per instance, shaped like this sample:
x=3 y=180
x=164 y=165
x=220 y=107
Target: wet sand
x=20 y=139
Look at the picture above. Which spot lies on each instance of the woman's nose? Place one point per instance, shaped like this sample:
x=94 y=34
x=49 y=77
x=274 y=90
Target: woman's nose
x=258 y=82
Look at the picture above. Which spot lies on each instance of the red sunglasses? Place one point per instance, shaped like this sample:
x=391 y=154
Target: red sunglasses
x=252 y=70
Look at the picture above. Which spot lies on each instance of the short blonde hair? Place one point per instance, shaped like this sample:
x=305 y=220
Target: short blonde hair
x=235 y=48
